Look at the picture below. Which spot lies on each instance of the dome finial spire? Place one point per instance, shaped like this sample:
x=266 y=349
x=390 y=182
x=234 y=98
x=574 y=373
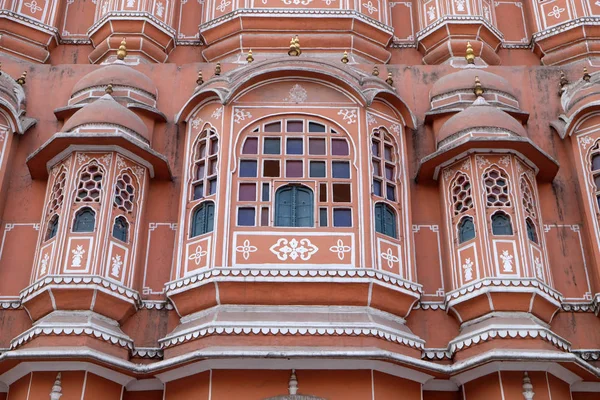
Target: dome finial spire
x=478 y=89
x=470 y=56
x=56 y=392
x=109 y=89
x=21 y=80
x=122 y=52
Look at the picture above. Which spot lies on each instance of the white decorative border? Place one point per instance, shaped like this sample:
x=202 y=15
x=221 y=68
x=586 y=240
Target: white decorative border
x=67 y=261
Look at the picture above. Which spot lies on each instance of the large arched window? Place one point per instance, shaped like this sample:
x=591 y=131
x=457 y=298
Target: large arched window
x=52 y=228
x=294 y=206
x=531 y=231
x=120 y=229
x=383 y=162
x=124 y=193
x=89 y=187
x=501 y=224
x=85 y=220
x=306 y=152
x=466 y=230
x=205 y=159
x=203 y=219
x=529 y=209
x=496 y=188
x=462 y=200
x=385 y=220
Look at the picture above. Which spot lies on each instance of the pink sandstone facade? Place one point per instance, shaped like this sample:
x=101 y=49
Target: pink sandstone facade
x=299 y=199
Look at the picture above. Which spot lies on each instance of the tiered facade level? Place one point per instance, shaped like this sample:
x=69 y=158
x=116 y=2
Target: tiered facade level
x=400 y=202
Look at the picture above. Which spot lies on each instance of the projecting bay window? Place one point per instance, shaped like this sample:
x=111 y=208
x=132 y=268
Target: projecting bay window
x=294 y=172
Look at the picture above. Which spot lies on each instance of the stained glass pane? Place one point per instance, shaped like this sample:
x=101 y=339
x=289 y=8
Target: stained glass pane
x=341 y=192
x=316 y=147
x=273 y=127
x=315 y=127
x=317 y=169
x=246 y=216
x=340 y=169
x=248 y=169
x=250 y=146
x=272 y=146
x=271 y=168
x=294 y=146
x=339 y=147
x=247 y=192
x=295 y=126
x=342 y=217
x=293 y=169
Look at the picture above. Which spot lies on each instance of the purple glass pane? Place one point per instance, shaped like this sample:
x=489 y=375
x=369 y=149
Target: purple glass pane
x=248 y=169
x=294 y=146
x=342 y=217
x=200 y=171
x=250 y=146
x=391 y=192
x=375 y=148
x=293 y=169
x=389 y=172
x=388 y=153
x=376 y=187
x=273 y=127
x=339 y=147
x=247 y=192
x=264 y=216
x=198 y=191
x=316 y=147
x=212 y=186
x=340 y=169
x=295 y=126
x=214 y=146
x=246 y=216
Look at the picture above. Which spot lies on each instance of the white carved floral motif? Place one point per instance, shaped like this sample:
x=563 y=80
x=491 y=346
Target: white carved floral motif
x=585 y=141
x=349 y=115
x=33 y=6
x=390 y=257
x=218 y=113
x=481 y=161
x=371 y=119
x=293 y=249
x=486 y=12
x=340 y=249
x=466 y=166
x=297 y=94
x=117 y=263
x=240 y=115
x=223 y=5
x=556 y=12
x=397 y=129
x=431 y=13
x=507 y=261
x=196 y=257
x=160 y=9
x=538 y=267
x=246 y=248
x=505 y=161
x=196 y=122
x=370 y=7
x=460 y=5
x=468 y=268
x=77 y=256
x=130 y=3
x=44 y=264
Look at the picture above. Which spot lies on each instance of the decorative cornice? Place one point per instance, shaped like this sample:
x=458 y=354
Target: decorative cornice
x=156 y=305
x=460 y=19
x=131 y=15
x=87 y=281
x=47 y=29
x=587 y=354
x=10 y=304
x=370 y=330
x=232 y=274
x=430 y=305
x=296 y=13
x=152 y=353
x=484 y=285
x=565 y=26
x=436 y=354
x=579 y=307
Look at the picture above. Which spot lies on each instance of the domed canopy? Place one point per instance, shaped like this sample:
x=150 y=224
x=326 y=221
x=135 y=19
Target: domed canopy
x=480 y=115
x=463 y=81
x=117 y=75
x=106 y=110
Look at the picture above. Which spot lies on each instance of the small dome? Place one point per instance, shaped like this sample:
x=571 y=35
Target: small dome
x=106 y=110
x=118 y=75
x=463 y=81
x=480 y=115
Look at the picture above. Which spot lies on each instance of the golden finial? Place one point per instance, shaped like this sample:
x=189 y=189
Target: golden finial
x=109 y=89
x=218 y=69
x=0 y=68
x=586 y=76
x=249 y=57
x=21 y=80
x=200 y=79
x=470 y=56
x=375 y=70
x=478 y=89
x=345 y=58
x=562 y=83
x=297 y=45
x=389 y=80
x=122 y=52
x=294 y=50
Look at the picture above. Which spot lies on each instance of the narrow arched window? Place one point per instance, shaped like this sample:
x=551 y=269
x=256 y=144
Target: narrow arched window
x=294 y=206
x=501 y=224
x=120 y=229
x=52 y=227
x=385 y=220
x=85 y=220
x=531 y=231
x=204 y=173
x=203 y=219
x=496 y=188
x=466 y=230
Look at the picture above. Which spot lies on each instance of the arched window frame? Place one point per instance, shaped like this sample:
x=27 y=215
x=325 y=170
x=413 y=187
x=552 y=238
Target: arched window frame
x=206 y=220
x=460 y=225
x=88 y=195
x=380 y=220
x=126 y=230
x=493 y=218
x=57 y=196
x=529 y=203
x=531 y=230
x=461 y=192
x=490 y=181
x=594 y=170
x=125 y=193
x=296 y=216
x=78 y=213
x=52 y=227
x=299 y=149
x=205 y=165
x=385 y=166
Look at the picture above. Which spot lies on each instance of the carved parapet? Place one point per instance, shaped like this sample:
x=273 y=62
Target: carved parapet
x=147 y=25
x=29 y=29
x=362 y=28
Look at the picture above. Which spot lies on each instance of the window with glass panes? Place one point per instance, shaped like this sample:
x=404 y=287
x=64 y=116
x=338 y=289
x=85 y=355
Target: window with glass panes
x=205 y=159
x=595 y=155
x=383 y=162
x=283 y=151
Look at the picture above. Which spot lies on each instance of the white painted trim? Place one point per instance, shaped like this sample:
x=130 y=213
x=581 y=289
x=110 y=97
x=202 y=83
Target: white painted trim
x=142 y=385
x=581 y=386
x=440 y=385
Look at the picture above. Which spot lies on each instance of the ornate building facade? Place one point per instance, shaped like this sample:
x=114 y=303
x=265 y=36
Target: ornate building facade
x=299 y=199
